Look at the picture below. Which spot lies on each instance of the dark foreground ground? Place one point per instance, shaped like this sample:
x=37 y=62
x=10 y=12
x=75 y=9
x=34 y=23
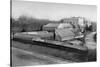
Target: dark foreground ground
x=30 y=54
x=25 y=58
x=26 y=55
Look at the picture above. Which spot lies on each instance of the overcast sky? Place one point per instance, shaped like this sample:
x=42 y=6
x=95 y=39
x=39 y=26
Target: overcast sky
x=52 y=11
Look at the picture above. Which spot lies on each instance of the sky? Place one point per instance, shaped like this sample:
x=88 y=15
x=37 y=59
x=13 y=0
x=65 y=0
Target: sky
x=52 y=11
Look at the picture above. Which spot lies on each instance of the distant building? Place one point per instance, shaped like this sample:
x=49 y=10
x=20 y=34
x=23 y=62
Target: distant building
x=50 y=27
x=79 y=23
x=75 y=21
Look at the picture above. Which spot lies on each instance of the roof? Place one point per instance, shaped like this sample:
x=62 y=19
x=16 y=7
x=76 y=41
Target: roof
x=52 y=25
x=38 y=33
x=65 y=25
x=65 y=34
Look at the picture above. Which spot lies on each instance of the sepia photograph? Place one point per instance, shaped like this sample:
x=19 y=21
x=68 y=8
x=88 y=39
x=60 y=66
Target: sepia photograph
x=45 y=33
